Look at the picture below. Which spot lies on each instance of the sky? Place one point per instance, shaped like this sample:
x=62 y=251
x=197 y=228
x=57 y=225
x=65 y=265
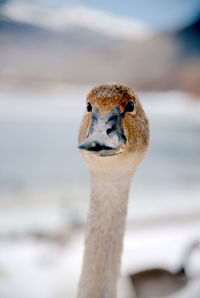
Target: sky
x=159 y=14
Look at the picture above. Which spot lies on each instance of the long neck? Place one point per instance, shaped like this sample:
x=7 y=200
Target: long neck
x=104 y=234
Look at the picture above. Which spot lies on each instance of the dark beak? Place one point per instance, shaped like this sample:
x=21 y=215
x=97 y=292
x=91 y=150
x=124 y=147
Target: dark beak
x=106 y=134
x=94 y=146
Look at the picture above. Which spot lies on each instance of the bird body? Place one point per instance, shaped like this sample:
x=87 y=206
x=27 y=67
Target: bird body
x=159 y=282
x=114 y=139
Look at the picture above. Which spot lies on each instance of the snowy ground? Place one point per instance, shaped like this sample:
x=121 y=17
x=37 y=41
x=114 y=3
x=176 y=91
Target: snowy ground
x=41 y=269
x=41 y=205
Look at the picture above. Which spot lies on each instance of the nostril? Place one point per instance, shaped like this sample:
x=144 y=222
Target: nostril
x=109 y=130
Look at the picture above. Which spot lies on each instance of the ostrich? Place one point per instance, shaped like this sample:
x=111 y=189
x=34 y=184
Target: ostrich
x=113 y=140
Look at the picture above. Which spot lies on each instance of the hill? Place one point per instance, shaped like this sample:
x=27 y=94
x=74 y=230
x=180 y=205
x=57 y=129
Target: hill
x=34 y=51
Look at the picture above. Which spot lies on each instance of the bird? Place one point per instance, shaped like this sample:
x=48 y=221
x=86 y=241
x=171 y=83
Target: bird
x=114 y=138
x=159 y=282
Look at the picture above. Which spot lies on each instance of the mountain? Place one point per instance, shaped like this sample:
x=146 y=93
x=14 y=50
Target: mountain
x=72 y=39
x=63 y=18
x=78 y=49
x=29 y=52
x=70 y=44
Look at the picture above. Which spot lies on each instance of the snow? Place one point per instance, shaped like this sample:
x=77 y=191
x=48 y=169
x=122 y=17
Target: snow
x=41 y=269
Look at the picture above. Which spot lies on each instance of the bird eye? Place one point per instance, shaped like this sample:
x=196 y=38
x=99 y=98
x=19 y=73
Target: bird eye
x=89 y=107
x=129 y=107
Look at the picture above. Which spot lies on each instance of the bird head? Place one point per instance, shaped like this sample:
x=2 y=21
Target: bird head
x=114 y=128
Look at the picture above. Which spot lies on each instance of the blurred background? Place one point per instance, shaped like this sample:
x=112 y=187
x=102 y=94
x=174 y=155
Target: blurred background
x=51 y=54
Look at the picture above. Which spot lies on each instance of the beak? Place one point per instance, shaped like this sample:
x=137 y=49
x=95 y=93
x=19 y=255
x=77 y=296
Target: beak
x=106 y=133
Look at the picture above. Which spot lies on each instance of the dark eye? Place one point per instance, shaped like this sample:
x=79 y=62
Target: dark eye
x=129 y=107
x=89 y=107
